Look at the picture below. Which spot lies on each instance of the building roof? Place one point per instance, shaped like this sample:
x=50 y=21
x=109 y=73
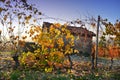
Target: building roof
x=80 y=30
x=73 y=29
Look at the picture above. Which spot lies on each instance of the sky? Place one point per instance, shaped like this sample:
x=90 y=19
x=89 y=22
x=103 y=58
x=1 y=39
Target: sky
x=79 y=9
x=70 y=10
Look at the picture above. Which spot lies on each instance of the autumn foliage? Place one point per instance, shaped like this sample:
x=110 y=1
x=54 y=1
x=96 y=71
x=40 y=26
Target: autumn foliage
x=111 y=47
x=54 y=44
x=114 y=52
x=109 y=52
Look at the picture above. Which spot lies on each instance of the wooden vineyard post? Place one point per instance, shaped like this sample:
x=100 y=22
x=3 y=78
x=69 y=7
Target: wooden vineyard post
x=96 y=54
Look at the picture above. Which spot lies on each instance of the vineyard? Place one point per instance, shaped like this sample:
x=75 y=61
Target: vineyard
x=81 y=70
x=54 y=51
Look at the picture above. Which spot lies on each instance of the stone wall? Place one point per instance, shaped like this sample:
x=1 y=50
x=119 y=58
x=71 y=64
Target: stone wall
x=83 y=45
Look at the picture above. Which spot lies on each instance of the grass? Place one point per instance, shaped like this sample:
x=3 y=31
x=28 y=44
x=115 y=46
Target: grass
x=80 y=71
x=82 y=74
x=36 y=75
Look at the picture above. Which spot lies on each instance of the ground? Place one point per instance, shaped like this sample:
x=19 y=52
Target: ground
x=81 y=70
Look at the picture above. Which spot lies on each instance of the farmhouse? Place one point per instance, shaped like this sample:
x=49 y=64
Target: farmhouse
x=84 y=42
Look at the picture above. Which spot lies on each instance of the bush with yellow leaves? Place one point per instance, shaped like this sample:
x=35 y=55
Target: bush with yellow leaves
x=55 y=43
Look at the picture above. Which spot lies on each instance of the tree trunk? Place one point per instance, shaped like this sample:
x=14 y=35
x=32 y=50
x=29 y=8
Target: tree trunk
x=111 y=65
x=93 y=57
x=15 y=58
x=71 y=63
x=92 y=61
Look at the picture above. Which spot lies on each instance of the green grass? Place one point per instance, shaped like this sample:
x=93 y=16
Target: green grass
x=24 y=74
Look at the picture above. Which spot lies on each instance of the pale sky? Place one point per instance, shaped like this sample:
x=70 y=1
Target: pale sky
x=77 y=9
